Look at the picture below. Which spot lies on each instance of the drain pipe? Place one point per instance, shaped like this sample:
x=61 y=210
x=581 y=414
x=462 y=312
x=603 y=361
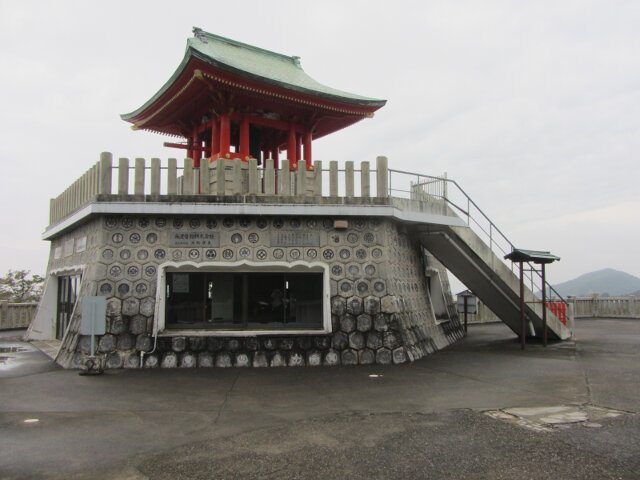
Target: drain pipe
x=155 y=345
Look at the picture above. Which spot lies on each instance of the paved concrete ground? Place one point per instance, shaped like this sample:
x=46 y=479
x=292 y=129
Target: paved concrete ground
x=424 y=420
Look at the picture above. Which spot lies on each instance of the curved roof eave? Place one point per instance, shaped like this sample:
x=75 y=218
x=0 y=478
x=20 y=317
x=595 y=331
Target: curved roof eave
x=193 y=52
x=168 y=84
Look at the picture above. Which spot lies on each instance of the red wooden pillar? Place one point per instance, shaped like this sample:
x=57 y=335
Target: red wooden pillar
x=215 y=137
x=292 y=145
x=225 y=134
x=307 y=149
x=244 y=137
x=276 y=157
x=206 y=150
x=190 y=148
x=197 y=150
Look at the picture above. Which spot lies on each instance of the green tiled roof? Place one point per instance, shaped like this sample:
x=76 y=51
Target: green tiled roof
x=256 y=64
x=266 y=66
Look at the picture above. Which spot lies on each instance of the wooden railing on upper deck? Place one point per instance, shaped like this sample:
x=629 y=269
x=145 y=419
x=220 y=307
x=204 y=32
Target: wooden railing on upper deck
x=236 y=178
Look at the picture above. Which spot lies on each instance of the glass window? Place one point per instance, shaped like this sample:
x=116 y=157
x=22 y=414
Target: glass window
x=244 y=300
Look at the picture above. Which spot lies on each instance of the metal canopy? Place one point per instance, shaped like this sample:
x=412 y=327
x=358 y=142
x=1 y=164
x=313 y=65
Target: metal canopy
x=541 y=258
x=535 y=256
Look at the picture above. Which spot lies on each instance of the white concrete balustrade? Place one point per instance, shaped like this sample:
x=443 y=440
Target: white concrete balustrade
x=583 y=307
x=607 y=307
x=16 y=315
x=218 y=178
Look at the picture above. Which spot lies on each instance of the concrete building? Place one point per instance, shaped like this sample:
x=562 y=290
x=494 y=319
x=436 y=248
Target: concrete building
x=243 y=258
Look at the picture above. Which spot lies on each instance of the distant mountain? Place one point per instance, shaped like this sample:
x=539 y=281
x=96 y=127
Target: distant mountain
x=607 y=281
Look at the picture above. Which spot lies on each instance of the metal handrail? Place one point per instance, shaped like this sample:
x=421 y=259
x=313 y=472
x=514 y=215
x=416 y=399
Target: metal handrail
x=493 y=229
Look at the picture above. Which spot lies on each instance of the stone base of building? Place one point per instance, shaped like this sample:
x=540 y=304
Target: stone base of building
x=379 y=302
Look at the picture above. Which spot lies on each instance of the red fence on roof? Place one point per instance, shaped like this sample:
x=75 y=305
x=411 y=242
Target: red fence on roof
x=559 y=309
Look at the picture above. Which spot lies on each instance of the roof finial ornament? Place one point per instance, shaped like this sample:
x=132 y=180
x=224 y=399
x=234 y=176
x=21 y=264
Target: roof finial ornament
x=200 y=34
x=296 y=61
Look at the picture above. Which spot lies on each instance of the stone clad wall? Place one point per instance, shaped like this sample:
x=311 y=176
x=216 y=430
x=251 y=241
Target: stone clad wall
x=380 y=308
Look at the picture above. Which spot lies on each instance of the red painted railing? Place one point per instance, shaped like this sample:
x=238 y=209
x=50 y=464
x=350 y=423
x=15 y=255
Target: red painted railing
x=559 y=309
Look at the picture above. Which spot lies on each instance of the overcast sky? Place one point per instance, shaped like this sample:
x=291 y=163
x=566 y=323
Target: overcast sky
x=533 y=107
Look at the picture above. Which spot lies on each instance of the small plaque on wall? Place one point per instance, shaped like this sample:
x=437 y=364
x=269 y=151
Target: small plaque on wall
x=295 y=239
x=194 y=239
x=68 y=248
x=81 y=244
x=57 y=253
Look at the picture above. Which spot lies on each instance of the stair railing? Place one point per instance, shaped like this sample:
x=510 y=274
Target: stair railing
x=429 y=187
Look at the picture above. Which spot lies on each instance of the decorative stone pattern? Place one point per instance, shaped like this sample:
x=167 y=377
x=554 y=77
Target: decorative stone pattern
x=380 y=304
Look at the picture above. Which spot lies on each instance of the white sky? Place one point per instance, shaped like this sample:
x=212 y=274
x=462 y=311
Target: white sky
x=532 y=107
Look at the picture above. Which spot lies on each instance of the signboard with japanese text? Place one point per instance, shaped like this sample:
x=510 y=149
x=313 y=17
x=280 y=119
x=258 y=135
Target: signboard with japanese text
x=194 y=239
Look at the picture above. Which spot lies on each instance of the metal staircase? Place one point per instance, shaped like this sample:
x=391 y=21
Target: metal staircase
x=475 y=255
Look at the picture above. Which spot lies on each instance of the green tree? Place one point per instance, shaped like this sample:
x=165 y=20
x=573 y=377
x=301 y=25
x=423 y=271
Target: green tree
x=20 y=286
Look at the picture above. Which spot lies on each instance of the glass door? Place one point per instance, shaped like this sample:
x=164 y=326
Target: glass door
x=67 y=295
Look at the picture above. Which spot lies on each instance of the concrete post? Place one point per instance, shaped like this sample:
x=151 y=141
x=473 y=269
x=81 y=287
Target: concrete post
x=4 y=312
x=571 y=317
x=236 y=179
x=301 y=179
x=87 y=184
x=253 y=176
x=220 y=176
x=284 y=178
x=382 y=177
x=94 y=180
x=269 y=178
x=138 y=182
x=317 y=178
x=333 y=178
x=172 y=176
x=67 y=201
x=105 y=173
x=244 y=177
x=81 y=188
x=75 y=187
x=445 y=186
x=84 y=184
x=123 y=176
x=187 y=177
x=155 y=176
x=365 y=180
x=205 y=185
x=348 y=179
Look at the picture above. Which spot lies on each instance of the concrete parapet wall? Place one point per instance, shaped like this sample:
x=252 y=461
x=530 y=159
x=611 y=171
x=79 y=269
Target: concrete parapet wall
x=583 y=307
x=16 y=315
x=608 y=307
x=219 y=178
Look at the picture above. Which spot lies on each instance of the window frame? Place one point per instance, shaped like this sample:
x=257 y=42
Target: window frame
x=245 y=266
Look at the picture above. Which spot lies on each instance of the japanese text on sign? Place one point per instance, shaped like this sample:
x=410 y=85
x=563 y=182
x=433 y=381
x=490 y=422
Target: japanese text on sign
x=194 y=239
